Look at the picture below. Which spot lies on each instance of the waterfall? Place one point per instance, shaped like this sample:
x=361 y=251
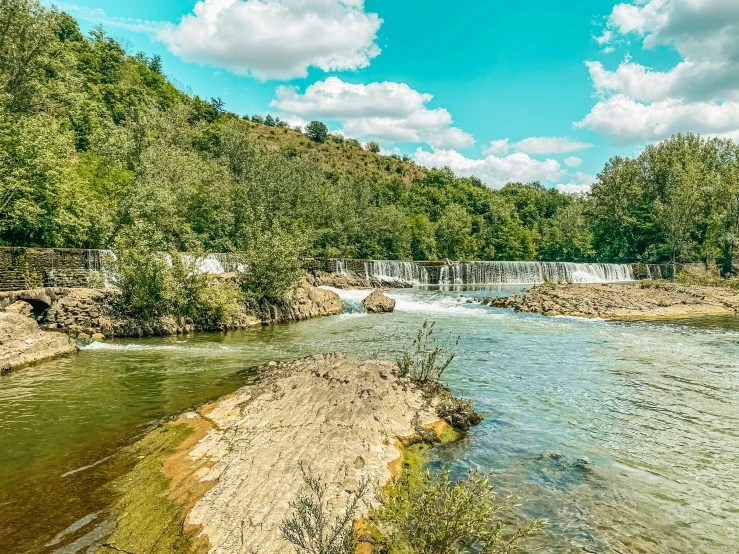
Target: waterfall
x=392 y=271
x=530 y=273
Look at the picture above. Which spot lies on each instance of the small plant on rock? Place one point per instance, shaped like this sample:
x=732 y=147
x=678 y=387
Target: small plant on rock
x=427 y=359
x=310 y=528
x=438 y=516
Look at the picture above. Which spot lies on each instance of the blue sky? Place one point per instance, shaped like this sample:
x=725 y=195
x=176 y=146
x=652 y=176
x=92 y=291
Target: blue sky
x=568 y=84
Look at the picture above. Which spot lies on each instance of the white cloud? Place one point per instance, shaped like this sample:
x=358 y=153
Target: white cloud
x=581 y=183
x=573 y=161
x=605 y=38
x=386 y=112
x=550 y=145
x=536 y=145
x=699 y=94
x=628 y=121
x=497 y=148
x=276 y=39
x=492 y=170
x=572 y=188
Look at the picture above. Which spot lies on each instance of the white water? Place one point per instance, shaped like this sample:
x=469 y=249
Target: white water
x=406 y=272
x=531 y=273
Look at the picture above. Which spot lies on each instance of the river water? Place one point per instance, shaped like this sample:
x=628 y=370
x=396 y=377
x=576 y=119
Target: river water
x=625 y=437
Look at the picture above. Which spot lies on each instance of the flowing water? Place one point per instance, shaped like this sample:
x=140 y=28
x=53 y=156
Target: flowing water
x=624 y=436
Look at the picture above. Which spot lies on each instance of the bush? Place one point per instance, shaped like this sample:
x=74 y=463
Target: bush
x=220 y=303
x=438 y=516
x=427 y=359
x=271 y=264
x=373 y=147
x=311 y=531
x=140 y=272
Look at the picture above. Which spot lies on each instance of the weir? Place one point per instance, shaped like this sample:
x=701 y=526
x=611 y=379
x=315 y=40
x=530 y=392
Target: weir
x=483 y=273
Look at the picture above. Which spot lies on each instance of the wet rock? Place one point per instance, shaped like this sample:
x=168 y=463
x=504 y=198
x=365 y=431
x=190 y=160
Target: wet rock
x=378 y=303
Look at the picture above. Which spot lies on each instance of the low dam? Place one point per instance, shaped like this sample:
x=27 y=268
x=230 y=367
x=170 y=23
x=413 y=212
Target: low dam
x=25 y=268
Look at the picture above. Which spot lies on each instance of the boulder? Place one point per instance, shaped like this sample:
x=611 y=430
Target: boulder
x=378 y=303
x=22 y=343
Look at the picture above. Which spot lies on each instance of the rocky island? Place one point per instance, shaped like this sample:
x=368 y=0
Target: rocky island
x=648 y=299
x=222 y=478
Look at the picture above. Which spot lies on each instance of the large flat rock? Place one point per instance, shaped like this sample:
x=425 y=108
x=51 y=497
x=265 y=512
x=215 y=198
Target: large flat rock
x=237 y=472
x=22 y=343
x=644 y=300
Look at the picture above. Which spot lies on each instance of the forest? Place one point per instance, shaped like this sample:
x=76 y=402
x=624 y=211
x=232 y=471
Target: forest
x=97 y=143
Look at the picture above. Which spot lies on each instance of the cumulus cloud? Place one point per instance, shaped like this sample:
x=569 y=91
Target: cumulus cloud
x=492 y=170
x=628 y=121
x=573 y=161
x=550 y=145
x=581 y=183
x=698 y=94
x=276 y=39
x=536 y=145
x=386 y=112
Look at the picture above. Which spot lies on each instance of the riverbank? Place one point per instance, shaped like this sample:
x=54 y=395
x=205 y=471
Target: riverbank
x=222 y=478
x=648 y=299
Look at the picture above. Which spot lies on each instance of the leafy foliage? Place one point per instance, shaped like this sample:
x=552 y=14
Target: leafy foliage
x=93 y=139
x=440 y=516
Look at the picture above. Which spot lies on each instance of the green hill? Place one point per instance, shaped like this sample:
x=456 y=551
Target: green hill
x=96 y=143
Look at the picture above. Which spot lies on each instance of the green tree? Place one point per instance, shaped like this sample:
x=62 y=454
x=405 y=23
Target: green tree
x=454 y=234
x=317 y=131
x=373 y=147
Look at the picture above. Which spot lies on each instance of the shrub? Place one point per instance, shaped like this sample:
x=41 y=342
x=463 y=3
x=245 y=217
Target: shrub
x=220 y=303
x=310 y=528
x=140 y=272
x=438 y=516
x=427 y=359
x=457 y=412
x=271 y=264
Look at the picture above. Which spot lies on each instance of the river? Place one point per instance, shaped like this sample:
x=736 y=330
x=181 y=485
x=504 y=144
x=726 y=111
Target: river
x=625 y=437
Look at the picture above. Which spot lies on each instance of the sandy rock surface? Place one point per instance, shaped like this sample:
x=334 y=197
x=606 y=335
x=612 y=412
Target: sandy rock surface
x=378 y=303
x=341 y=416
x=22 y=343
x=624 y=301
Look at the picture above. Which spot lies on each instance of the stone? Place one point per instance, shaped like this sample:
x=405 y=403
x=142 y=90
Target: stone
x=378 y=303
x=21 y=308
x=98 y=336
x=241 y=467
x=23 y=343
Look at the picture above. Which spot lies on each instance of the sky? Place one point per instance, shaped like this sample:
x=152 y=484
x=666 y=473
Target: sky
x=501 y=90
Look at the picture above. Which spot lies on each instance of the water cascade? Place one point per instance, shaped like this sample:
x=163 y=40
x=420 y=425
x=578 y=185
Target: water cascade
x=529 y=273
x=389 y=271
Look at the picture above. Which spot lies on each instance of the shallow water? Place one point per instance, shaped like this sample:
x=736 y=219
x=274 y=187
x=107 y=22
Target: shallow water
x=624 y=436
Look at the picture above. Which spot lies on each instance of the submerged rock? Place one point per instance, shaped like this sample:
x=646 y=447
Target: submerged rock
x=378 y=303
x=23 y=343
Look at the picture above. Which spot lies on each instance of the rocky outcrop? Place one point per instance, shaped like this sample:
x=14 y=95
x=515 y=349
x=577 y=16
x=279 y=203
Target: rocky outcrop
x=378 y=303
x=86 y=313
x=348 y=281
x=230 y=483
x=302 y=303
x=23 y=343
x=648 y=299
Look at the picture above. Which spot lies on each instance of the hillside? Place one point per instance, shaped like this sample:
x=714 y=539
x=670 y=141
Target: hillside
x=97 y=146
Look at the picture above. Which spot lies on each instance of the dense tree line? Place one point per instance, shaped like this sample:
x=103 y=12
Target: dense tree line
x=94 y=141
